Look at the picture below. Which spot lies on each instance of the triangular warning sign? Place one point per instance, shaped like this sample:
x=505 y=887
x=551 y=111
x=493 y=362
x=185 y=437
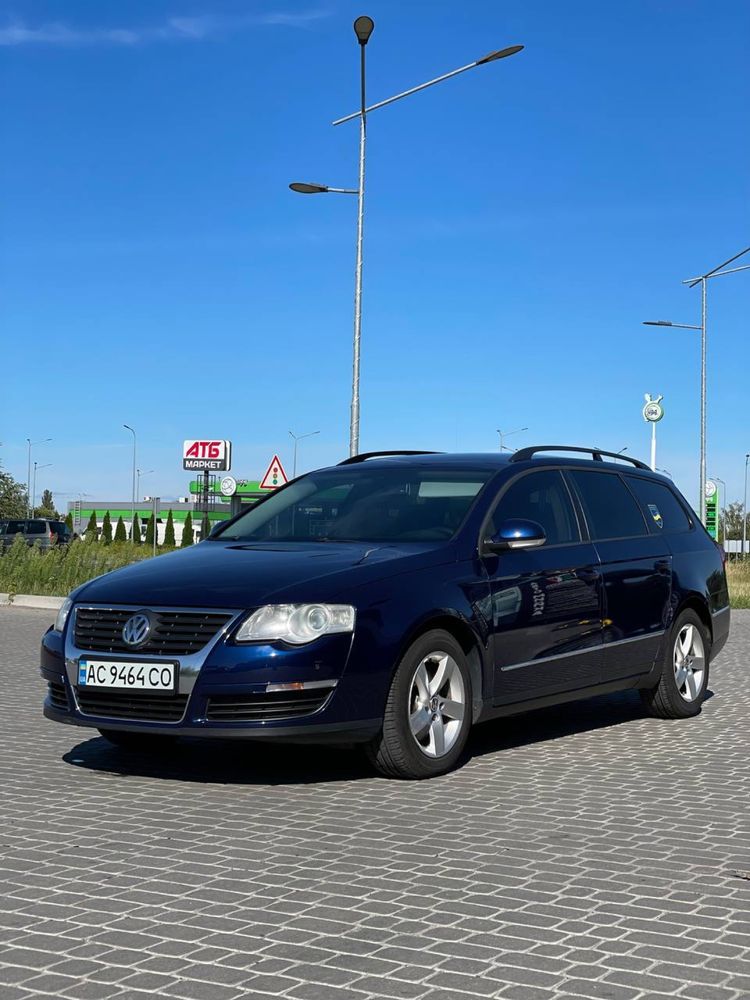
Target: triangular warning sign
x=274 y=477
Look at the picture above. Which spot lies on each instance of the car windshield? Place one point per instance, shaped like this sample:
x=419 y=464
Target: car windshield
x=361 y=504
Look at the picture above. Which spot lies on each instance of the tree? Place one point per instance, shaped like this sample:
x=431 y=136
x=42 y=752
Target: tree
x=92 y=531
x=107 y=529
x=150 y=527
x=732 y=518
x=169 y=531
x=187 y=531
x=48 y=503
x=69 y=521
x=13 y=497
x=135 y=531
x=121 y=534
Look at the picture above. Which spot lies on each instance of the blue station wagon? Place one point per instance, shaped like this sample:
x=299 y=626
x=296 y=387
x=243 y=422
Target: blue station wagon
x=398 y=598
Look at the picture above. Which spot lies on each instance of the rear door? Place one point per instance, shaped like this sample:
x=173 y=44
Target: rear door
x=637 y=572
x=545 y=602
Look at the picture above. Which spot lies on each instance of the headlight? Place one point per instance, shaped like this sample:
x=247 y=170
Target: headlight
x=296 y=623
x=62 y=614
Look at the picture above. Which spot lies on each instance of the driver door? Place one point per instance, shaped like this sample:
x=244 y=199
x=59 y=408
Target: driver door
x=546 y=628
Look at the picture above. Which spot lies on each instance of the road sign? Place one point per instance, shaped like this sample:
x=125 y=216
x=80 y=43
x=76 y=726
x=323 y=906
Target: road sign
x=653 y=411
x=275 y=475
x=210 y=456
x=710 y=489
x=228 y=486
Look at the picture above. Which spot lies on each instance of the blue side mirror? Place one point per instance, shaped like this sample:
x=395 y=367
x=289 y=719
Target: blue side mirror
x=516 y=533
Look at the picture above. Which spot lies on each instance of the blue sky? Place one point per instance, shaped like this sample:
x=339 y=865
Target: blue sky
x=522 y=220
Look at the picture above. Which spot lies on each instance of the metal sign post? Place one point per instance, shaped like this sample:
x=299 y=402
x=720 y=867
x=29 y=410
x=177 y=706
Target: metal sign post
x=155 y=504
x=653 y=412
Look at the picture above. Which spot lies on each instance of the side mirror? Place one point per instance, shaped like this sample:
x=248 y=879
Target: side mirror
x=516 y=533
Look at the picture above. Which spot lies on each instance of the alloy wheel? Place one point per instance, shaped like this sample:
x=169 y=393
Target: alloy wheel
x=437 y=704
x=689 y=662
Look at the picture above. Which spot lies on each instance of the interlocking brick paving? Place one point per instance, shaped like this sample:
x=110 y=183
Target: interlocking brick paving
x=584 y=851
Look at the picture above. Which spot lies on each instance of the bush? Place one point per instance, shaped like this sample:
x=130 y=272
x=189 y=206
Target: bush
x=107 y=529
x=150 y=526
x=121 y=534
x=135 y=531
x=738 y=574
x=169 y=530
x=92 y=531
x=187 y=531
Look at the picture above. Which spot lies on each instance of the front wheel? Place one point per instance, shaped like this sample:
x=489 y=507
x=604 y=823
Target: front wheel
x=683 y=684
x=142 y=742
x=428 y=712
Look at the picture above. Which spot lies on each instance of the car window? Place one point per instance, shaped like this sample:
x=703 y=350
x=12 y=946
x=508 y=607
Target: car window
x=363 y=504
x=36 y=528
x=542 y=497
x=610 y=508
x=15 y=527
x=664 y=512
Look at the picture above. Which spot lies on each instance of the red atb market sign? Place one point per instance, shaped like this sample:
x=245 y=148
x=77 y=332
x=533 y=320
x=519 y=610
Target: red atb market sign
x=213 y=456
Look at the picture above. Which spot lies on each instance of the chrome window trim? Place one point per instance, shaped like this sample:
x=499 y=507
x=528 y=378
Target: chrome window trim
x=190 y=666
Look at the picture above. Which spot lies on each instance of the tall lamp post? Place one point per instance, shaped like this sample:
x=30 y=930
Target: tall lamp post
x=33 y=488
x=363 y=28
x=299 y=437
x=505 y=434
x=132 y=511
x=30 y=443
x=744 y=511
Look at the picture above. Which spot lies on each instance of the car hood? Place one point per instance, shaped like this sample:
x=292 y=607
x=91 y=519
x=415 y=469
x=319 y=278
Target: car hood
x=244 y=575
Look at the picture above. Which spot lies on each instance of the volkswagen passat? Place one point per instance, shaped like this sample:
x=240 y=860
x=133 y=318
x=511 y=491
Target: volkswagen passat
x=396 y=599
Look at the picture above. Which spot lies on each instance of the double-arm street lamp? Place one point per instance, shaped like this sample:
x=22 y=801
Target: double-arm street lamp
x=702 y=279
x=296 y=438
x=363 y=28
x=504 y=434
x=33 y=488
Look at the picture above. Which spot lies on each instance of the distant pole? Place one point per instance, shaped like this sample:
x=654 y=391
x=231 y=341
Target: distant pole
x=132 y=514
x=744 y=512
x=296 y=438
x=703 y=401
x=653 y=446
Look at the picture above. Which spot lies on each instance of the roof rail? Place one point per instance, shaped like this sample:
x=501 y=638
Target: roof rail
x=596 y=453
x=353 y=459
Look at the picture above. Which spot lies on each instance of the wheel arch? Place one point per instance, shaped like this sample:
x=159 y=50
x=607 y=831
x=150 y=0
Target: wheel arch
x=469 y=642
x=694 y=602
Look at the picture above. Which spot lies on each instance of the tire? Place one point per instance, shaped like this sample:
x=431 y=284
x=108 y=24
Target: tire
x=682 y=685
x=419 y=738
x=143 y=742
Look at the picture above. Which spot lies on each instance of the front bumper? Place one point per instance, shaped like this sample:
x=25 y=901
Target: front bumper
x=229 y=692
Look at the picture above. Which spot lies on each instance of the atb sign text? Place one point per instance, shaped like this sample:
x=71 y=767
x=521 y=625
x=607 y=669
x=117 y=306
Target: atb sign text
x=214 y=456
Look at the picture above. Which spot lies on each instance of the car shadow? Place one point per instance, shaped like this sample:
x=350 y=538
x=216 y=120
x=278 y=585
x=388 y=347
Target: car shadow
x=225 y=762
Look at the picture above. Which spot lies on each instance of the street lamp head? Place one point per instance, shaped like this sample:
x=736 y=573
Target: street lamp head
x=657 y=322
x=363 y=28
x=302 y=188
x=500 y=54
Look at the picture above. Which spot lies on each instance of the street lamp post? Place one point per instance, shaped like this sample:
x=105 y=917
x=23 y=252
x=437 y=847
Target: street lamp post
x=30 y=443
x=744 y=511
x=299 y=437
x=363 y=28
x=132 y=511
x=505 y=434
x=33 y=488
x=701 y=280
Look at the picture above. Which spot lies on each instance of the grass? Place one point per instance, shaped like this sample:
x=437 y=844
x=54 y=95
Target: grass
x=738 y=574
x=57 y=571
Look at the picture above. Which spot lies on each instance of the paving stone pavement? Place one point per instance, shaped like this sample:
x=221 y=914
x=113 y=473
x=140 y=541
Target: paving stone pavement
x=584 y=851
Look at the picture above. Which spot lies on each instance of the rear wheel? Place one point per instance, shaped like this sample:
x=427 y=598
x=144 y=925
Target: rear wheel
x=683 y=684
x=145 y=742
x=428 y=713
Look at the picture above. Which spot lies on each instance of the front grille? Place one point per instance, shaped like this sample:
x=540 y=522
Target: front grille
x=173 y=633
x=57 y=696
x=265 y=707
x=132 y=705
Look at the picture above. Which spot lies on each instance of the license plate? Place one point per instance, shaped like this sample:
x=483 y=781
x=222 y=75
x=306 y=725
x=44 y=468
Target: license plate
x=128 y=675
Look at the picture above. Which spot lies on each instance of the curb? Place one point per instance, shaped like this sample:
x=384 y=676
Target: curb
x=31 y=601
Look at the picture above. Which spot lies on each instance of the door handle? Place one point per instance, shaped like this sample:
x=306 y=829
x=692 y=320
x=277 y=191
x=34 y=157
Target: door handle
x=662 y=566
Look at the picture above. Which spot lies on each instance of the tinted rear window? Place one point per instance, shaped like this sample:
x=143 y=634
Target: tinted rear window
x=610 y=508
x=664 y=512
x=36 y=527
x=14 y=527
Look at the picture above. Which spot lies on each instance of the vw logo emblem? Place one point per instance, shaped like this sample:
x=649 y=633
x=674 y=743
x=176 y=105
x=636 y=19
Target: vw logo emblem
x=136 y=630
